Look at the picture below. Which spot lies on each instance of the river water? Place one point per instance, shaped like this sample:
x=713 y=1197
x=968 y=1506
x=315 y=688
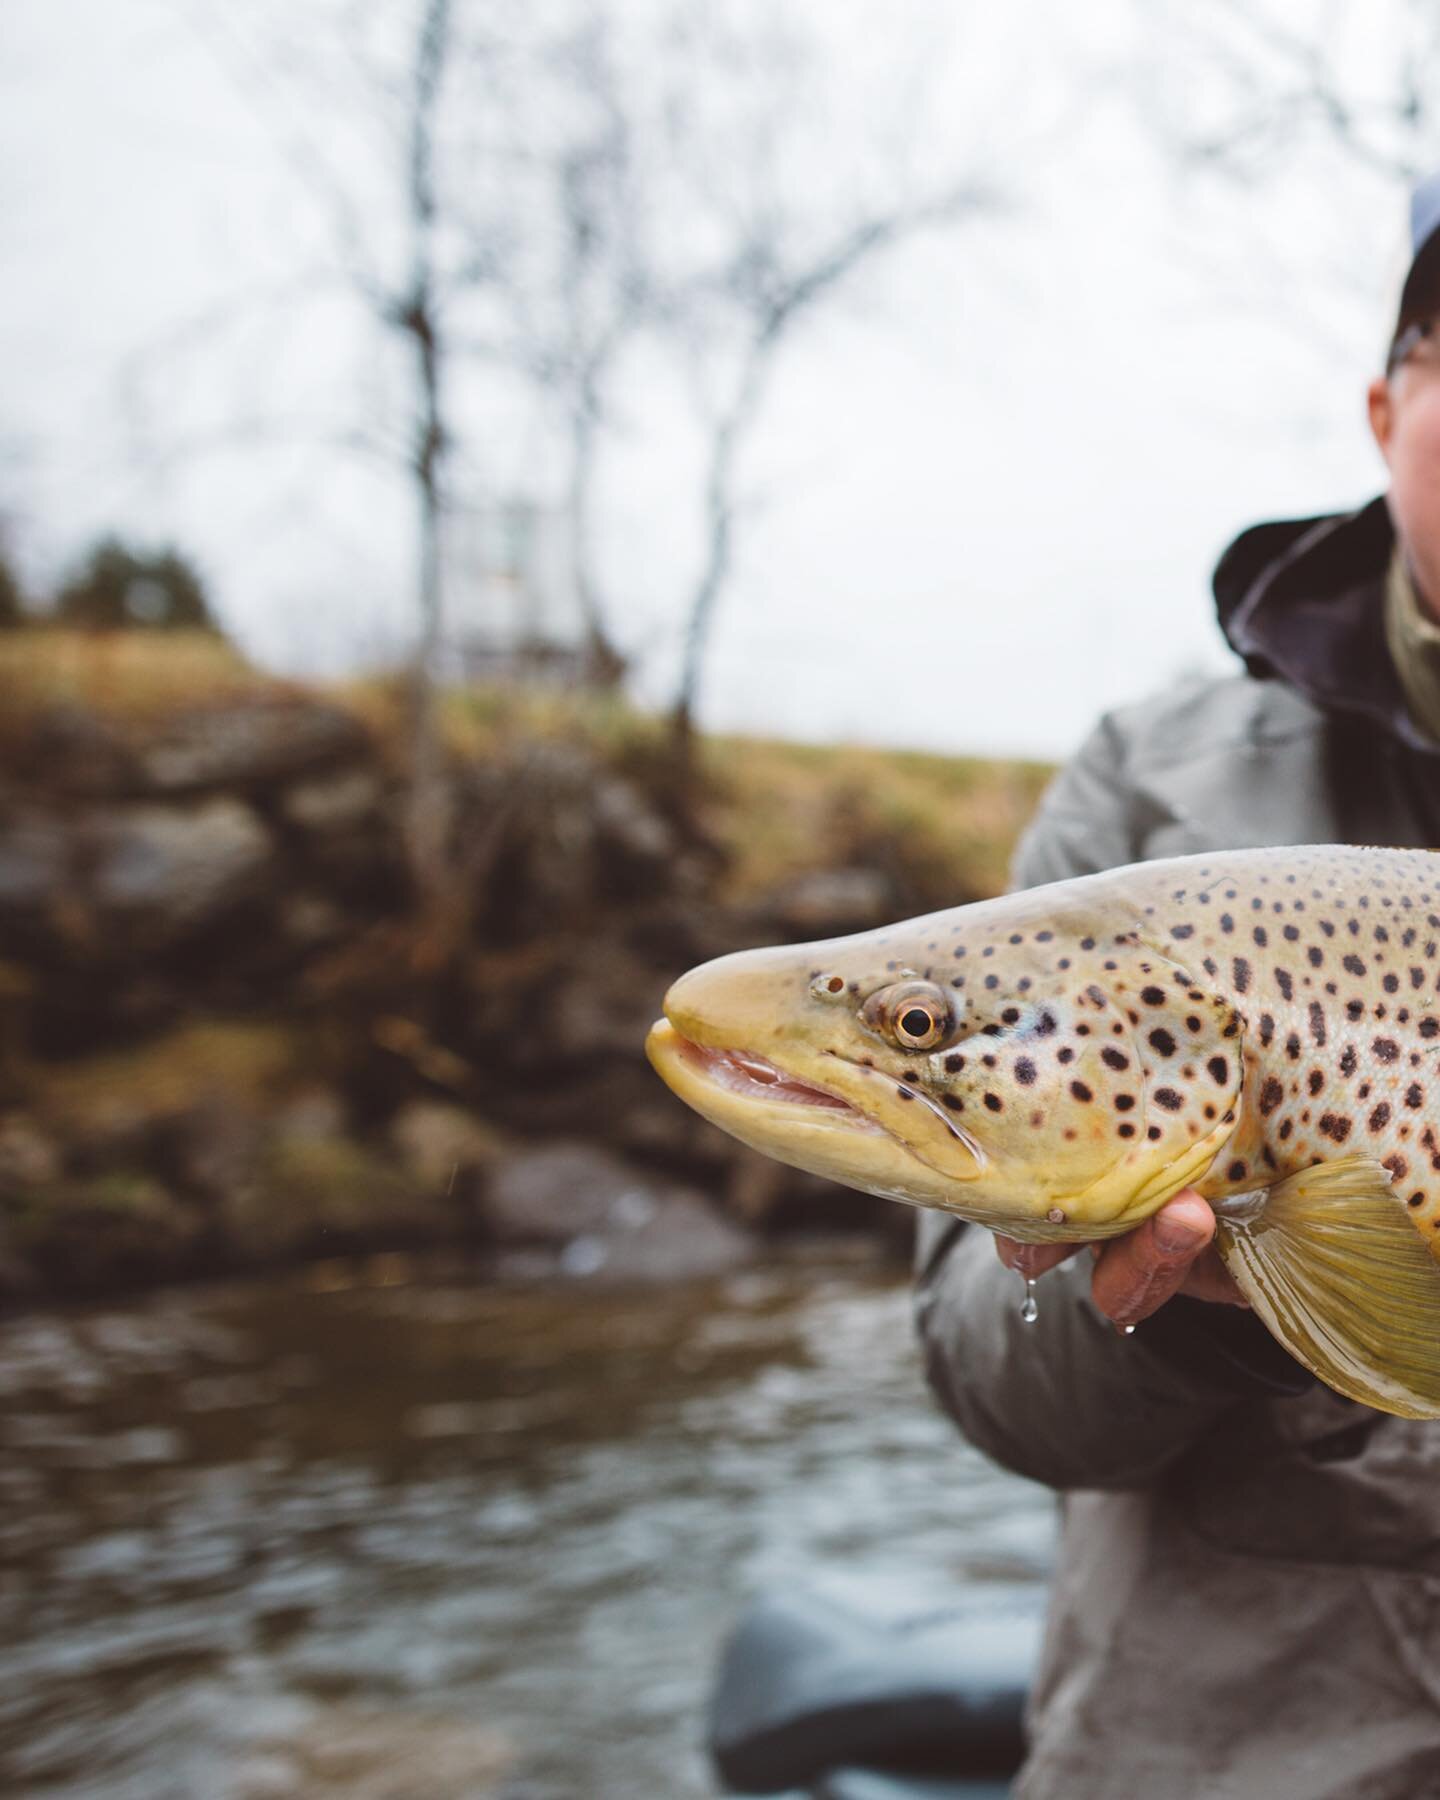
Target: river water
x=377 y=1531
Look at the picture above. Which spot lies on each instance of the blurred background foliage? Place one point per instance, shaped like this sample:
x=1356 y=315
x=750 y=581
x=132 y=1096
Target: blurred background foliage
x=119 y=587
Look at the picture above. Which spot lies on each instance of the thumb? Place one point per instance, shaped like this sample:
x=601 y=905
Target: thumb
x=1139 y=1272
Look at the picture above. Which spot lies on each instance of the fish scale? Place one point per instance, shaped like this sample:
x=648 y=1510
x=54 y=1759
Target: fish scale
x=1333 y=969
x=1263 y=1025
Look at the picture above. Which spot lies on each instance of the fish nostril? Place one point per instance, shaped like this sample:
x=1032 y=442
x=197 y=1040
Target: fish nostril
x=827 y=986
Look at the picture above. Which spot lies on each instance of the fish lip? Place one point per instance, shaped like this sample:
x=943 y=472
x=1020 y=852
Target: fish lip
x=752 y=1076
x=755 y=1077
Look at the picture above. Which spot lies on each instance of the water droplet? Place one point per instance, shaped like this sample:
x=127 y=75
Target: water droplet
x=1029 y=1311
x=1127 y=1331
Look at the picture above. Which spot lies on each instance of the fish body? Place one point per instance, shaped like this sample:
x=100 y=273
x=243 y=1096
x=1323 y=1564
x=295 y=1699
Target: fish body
x=1056 y=1064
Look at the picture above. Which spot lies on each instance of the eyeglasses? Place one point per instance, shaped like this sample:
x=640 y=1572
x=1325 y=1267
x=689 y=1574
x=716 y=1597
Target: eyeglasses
x=1408 y=342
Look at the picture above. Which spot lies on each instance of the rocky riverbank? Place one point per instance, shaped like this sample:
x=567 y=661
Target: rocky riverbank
x=230 y=1035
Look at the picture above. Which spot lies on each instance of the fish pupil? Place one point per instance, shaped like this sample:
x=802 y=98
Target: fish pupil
x=916 y=1022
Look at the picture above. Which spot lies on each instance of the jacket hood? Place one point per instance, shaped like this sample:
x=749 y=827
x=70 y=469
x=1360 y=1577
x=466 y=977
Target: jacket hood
x=1302 y=601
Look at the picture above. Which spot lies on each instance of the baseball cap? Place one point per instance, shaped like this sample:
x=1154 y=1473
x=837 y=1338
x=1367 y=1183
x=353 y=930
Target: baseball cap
x=1420 y=295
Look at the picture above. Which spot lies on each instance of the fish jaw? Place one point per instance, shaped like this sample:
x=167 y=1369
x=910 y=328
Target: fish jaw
x=815 y=1129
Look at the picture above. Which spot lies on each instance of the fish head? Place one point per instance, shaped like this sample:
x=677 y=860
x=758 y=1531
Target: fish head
x=1053 y=1078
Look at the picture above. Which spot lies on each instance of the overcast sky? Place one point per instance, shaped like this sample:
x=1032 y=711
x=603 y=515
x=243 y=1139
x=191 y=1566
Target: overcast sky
x=990 y=482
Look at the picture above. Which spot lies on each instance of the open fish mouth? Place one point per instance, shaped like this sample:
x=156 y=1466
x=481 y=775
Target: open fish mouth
x=814 y=1128
x=751 y=1077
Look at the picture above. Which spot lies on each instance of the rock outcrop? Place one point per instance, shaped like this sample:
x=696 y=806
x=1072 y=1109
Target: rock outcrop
x=229 y=1036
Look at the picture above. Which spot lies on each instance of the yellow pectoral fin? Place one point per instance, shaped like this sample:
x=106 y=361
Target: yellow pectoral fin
x=1336 y=1270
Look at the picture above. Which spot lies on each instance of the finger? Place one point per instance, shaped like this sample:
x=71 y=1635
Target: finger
x=1139 y=1272
x=1031 y=1260
x=1208 y=1279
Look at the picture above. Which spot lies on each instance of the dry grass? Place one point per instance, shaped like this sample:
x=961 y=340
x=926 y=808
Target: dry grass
x=489 y=720
x=125 y=677
x=945 y=826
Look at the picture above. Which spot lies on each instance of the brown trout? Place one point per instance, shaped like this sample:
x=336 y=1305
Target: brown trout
x=1262 y=1025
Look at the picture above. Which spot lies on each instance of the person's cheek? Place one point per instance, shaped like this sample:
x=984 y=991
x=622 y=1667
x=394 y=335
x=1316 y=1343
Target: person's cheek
x=1415 y=487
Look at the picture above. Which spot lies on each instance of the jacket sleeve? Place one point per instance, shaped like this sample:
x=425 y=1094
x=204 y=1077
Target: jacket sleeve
x=1068 y=1400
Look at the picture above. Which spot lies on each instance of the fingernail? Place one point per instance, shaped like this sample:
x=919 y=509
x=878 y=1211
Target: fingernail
x=1173 y=1237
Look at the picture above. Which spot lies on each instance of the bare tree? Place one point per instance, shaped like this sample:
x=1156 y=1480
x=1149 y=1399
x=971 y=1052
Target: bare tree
x=564 y=179
x=1247 y=83
x=775 y=299
x=795 y=192
x=602 y=293
x=393 y=248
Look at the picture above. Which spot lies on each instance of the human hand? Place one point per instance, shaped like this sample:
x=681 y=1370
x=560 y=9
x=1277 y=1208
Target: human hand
x=1171 y=1253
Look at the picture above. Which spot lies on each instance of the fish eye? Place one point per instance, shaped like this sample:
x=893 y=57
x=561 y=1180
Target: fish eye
x=916 y=1027
x=917 y=1015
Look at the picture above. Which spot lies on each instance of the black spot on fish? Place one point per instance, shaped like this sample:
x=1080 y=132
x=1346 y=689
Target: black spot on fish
x=1161 y=1041
x=995 y=1103
x=1169 y=1099
x=1113 y=1058
x=1024 y=1071
x=1080 y=1091
x=1317 y=1021
x=1219 y=1070
x=1386 y=1049
x=1271 y=1094
x=1241 y=970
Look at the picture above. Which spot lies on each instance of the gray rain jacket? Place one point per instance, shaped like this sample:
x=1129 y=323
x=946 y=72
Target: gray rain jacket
x=1247 y=1595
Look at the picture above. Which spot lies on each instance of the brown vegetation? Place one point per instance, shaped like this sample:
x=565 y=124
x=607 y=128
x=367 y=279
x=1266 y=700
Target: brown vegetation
x=230 y=1032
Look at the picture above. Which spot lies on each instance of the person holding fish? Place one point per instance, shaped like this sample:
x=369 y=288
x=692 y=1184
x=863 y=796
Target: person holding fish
x=1247 y=1595
x=1191 y=1081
